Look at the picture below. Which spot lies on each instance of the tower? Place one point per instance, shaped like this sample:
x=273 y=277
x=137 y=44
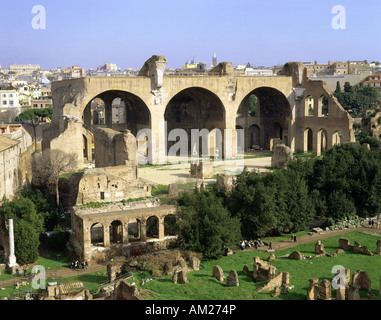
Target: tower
x=214 y=60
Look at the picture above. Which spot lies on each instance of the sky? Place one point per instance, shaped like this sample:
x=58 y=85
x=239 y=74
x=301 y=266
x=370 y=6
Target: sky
x=90 y=33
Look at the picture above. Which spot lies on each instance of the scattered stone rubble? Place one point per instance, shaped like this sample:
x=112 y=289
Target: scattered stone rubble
x=262 y=271
x=218 y=273
x=345 y=291
x=355 y=222
x=232 y=280
x=68 y=291
x=345 y=244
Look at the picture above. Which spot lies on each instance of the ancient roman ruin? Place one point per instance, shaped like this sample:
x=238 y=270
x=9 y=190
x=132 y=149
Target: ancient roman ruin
x=294 y=112
x=291 y=112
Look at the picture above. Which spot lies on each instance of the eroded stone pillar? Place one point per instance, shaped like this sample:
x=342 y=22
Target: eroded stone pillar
x=125 y=234
x=325 y=290
x=143 y=230
x=106 y=236
x=12 y=257
x=161 y=228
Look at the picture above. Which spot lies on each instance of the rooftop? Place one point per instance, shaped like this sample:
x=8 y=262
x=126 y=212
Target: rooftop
x=6 y=143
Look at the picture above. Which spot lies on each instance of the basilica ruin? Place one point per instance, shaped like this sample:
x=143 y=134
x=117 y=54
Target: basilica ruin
x=114 y=124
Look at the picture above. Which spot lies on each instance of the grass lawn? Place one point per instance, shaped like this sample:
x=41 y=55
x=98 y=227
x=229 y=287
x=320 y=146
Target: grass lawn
x=202 y=286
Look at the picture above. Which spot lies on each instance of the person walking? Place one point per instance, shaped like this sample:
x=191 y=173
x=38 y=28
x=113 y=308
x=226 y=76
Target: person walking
x=294 y=237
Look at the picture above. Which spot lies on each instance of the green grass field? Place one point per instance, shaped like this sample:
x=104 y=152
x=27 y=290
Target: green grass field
x=202 y=286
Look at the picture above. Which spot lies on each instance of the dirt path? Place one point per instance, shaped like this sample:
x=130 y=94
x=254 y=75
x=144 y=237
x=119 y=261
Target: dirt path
x=54 y=274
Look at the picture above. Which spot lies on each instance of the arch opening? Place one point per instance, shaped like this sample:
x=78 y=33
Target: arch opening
x=96 y=234
x=116 y=110
x=308 y=140
x=195 y=108
x=170 y=225
x=116 y=232
x=268 y=119
x=134 y=230
x=152 y=227
x=336 y=138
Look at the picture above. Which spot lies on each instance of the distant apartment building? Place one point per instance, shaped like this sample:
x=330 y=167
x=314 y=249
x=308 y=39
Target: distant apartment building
x=23 y=68
x=339 y=67
x=374 y=80
x=315 y=68
x=42 y=103
x=331 y=68
x=9 y=99
x=259 y=72
x=249 y=70
x=356 y=67
x=109 y=67
x=74 y=72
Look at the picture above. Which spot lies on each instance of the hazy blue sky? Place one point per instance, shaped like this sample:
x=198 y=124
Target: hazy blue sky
x=264 y=32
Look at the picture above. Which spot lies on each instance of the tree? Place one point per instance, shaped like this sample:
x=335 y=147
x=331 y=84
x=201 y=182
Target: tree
x=45 y=206
x=252 y=102
x=348 y=87
x=33 y=113
x=339 y=205
x=31 y=118
x=338 y=87
x=253 y=105
x=254 y=204
x=205 y=225
x=52 y=165
x=26 y=242
x=28 y=227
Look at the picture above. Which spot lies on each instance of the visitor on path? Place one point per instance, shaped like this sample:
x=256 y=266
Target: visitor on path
x=86 y=265
x=270 y=245
x=294 y=237
x=255 y=244
x=242 y=245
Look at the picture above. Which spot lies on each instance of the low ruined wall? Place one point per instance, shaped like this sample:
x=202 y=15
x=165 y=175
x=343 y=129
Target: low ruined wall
x=345 y=244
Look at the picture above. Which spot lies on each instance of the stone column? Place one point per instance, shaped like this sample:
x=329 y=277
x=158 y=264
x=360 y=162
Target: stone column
x=125 y=233
x=106 y=236
x=325 y=290
x=161 y=228
x=340 y=294
x=108 y=111
x=143 y=230
x=313 y=291
x=317 y=143
x=12 y=257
